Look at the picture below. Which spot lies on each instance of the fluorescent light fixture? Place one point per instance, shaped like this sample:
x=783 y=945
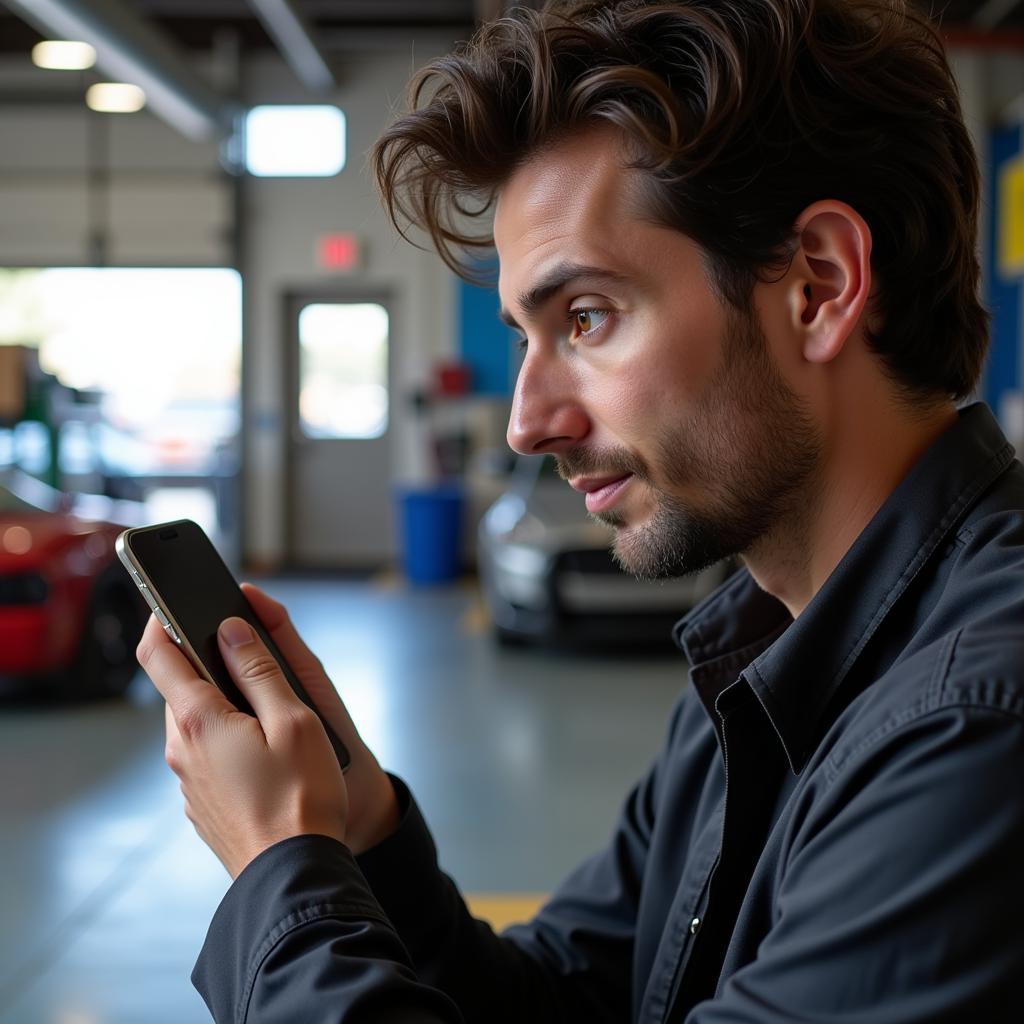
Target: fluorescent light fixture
x=115 y=98
x=306 y=141
x=63 y=55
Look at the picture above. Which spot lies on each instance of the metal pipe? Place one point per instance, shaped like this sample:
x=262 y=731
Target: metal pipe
x=991 y=13
x=130 y=50
x=294 y=38
x=98 y=189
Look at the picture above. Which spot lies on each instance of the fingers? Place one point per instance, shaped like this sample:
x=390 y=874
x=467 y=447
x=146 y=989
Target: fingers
x=278 y=624
x=172 y=744
x=255 y=671
x=305 y=665
x=188 y=696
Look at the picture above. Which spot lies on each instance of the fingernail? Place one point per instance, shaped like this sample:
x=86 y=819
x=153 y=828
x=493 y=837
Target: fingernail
x=235 y=632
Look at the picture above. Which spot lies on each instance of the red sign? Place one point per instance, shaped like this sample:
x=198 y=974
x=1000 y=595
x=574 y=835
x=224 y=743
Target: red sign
x=338 y=252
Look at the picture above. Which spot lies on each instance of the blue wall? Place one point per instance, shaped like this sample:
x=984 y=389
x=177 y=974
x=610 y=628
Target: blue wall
x=485 y=343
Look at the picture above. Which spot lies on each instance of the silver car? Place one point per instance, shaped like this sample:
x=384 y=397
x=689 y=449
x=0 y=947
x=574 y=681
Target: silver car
x=548 y=574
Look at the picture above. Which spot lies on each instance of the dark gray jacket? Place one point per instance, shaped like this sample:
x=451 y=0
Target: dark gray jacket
x=833 y=832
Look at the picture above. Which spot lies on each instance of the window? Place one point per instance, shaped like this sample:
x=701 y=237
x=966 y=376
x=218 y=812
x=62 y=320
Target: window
x=343 y=370
x=294 y=141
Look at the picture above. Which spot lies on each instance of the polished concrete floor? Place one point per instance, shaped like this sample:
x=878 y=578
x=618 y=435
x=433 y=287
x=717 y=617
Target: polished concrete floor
x=519 y=758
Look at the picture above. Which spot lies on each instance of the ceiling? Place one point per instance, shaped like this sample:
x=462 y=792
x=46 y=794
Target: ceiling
x=194 y=24
x=978 y=16
x=149 y=43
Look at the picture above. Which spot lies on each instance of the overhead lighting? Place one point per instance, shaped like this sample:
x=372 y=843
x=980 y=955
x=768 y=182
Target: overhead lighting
x=295 y=141
x=63 y=55
x=115 y=98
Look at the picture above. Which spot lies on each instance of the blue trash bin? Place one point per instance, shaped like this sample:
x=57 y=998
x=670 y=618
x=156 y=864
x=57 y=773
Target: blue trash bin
x=431 y=533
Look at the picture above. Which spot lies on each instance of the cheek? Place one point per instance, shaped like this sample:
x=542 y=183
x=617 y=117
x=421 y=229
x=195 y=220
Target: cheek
x=633 y=411
x=654 y=387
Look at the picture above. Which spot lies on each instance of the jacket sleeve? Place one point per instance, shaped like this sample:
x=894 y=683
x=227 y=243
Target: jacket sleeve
x=300 y=937
x=307 y=932
x=572 y=962
x=902 y=897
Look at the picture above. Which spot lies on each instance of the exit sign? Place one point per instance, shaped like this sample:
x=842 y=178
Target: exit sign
x=337 y=251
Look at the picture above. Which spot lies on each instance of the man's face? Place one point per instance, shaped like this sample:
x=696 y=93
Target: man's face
x=666 y=407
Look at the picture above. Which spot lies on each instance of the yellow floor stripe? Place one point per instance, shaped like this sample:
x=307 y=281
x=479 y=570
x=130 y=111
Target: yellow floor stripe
x=386 y=579
x=501 y=909
x=476 y=619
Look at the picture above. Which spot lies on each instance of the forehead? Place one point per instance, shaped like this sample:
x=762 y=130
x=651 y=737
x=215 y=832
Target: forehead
x=575 y=201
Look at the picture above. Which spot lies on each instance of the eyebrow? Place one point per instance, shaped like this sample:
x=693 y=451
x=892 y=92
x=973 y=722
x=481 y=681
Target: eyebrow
x=562 y=274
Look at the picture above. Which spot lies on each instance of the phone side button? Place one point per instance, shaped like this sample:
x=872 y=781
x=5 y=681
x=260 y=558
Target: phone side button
x=168 y=628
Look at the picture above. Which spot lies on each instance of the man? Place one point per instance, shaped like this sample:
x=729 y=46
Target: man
x=738 y=238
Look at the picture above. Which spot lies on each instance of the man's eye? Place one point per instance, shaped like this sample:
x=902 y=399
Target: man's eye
x=586 y=321
x=520 y=343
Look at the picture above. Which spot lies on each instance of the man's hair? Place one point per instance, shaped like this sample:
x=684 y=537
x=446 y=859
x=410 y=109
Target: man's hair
x=739 y=114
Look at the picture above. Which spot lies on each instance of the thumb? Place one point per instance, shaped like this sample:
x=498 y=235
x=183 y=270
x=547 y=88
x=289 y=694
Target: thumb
x=254 y=669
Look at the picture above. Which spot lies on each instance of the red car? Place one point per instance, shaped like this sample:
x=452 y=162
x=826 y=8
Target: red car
x=70 y=618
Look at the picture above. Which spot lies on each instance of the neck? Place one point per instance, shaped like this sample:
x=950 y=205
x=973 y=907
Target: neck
x=865 y=456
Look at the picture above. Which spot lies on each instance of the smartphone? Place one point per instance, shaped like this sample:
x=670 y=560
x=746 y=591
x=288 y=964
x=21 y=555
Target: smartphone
x=191 y=591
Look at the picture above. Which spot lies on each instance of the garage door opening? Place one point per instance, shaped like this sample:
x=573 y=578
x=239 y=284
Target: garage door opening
x=141 y=393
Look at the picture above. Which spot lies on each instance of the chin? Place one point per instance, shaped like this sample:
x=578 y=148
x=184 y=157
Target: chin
x=630 y=552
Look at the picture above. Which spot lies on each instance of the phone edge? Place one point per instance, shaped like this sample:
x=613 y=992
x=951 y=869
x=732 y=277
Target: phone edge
x=152 y=597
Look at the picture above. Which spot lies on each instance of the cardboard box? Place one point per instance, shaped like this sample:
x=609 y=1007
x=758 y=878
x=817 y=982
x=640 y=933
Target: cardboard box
x=12 y=383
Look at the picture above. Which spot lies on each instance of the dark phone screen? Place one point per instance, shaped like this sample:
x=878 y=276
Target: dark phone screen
x=197 y=588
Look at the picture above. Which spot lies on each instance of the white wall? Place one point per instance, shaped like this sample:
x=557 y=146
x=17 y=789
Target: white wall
x=283 y=219
x=169 y=201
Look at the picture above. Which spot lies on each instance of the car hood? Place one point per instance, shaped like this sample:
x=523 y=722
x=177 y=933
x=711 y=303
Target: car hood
x=28 y=539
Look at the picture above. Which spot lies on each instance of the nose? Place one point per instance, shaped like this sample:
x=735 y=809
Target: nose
x=546 y=414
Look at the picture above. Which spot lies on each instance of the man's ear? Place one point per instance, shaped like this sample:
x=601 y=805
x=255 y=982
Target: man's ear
x=829 y=279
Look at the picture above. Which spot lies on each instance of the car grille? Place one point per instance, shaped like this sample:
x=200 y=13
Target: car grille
x=588 y=560
x=23 y=588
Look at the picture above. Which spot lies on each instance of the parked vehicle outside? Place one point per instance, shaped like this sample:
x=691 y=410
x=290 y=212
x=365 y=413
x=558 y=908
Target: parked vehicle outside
x=548 y=574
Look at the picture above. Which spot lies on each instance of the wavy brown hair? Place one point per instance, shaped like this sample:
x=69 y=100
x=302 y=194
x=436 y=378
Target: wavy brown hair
x=740 y=113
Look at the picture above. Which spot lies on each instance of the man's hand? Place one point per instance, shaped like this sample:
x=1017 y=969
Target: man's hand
x=372 y=806
x=251 y=782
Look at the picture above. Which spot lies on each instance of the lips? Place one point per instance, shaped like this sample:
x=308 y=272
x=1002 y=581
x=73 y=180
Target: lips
x=601 y=492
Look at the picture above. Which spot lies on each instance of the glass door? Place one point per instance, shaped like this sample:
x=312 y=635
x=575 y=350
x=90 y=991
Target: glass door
x=339 y=465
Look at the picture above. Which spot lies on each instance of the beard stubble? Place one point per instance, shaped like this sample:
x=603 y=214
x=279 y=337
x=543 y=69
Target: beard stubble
x=749 y=449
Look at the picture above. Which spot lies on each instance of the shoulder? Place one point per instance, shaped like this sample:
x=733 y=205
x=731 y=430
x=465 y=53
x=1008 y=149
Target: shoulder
x=963 y=652
x=940 y=708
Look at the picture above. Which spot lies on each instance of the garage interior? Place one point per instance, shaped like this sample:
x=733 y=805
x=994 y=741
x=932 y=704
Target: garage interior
x=170 y=316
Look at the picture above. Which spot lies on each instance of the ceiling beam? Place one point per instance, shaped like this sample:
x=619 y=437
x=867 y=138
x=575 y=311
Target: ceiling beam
x=294 y=38
x=130 y=50
x=488 y=10
x=992 y=12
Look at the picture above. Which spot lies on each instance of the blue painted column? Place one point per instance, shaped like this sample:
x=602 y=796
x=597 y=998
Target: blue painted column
x=485 y=343
x=1003 y=368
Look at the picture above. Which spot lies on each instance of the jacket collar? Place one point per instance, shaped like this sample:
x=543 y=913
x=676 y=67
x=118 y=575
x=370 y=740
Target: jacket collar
x=796 y=667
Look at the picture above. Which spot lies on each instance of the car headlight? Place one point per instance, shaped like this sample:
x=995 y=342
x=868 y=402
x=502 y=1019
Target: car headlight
x=527 y=530
x=520 y=560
